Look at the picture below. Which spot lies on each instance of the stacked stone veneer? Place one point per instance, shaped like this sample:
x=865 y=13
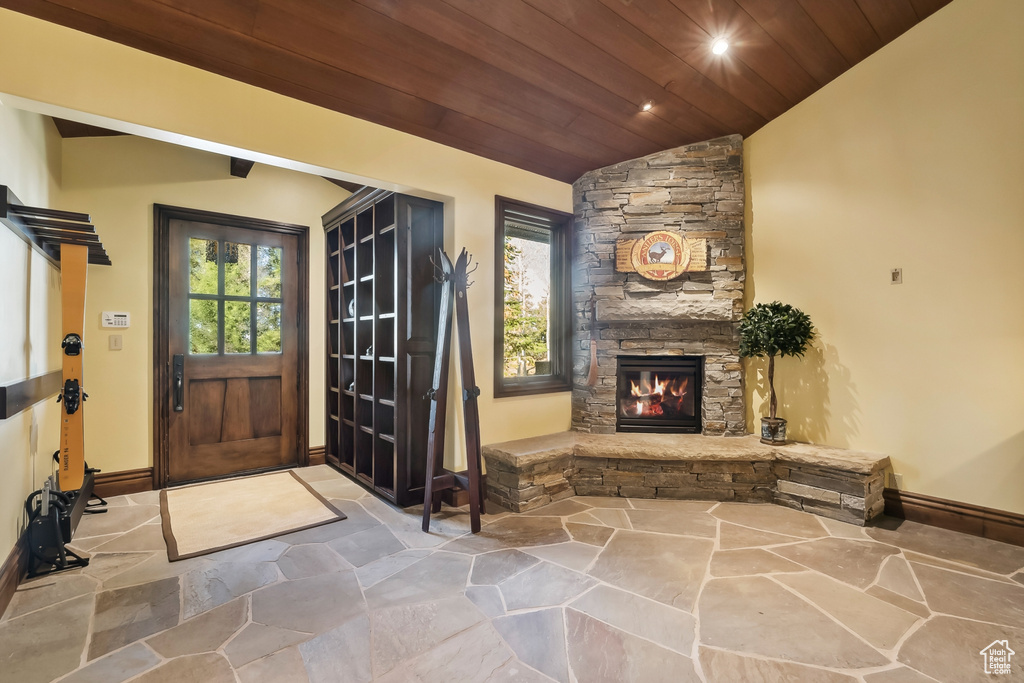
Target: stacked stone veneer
x=748 y=481
x=696 y=190
x=529 y=473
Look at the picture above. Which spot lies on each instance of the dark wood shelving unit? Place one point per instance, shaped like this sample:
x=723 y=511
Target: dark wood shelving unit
x=382 y=307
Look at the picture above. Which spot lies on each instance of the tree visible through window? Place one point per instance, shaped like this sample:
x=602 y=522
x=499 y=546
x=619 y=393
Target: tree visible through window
x=532 y=329
x=527 y=290
x=226 y=305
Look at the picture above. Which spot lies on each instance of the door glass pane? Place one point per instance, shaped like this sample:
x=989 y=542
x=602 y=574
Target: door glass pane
x=237 y=330
x=527 y=290
x=202 y=326
x=202 y=266
x=237 y=269
x=268 y=272
x=268 y=328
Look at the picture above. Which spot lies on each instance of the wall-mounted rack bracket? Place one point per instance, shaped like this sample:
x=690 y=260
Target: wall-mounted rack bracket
x=47 y=229
x=18 y=396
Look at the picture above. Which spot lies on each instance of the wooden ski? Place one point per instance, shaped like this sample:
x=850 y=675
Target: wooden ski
x=73 y=265
x=439 y=393
x=470 y=392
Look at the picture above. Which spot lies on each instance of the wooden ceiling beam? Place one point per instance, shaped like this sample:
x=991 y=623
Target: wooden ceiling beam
x=75 y=129
x=240 y=167
x=345 y=185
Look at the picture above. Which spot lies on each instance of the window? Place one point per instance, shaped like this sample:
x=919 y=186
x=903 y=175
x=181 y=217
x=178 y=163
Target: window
x=533 y=311
x=230 y=311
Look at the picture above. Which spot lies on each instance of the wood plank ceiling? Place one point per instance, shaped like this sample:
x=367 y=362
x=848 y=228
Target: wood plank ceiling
x=550 y=86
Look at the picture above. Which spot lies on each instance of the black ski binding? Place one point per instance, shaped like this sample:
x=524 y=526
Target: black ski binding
x=72 y=344
x=72 y=396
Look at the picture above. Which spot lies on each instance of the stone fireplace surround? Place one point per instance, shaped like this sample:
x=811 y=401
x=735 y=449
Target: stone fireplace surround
x=696 y=190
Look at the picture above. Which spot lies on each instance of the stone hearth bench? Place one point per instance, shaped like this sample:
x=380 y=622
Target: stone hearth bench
x=528 y=473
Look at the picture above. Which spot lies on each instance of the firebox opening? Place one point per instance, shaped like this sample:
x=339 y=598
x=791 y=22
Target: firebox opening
x=659 y=394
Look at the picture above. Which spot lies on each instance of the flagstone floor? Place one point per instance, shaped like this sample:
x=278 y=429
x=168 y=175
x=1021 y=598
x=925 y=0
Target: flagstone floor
x=585 y=590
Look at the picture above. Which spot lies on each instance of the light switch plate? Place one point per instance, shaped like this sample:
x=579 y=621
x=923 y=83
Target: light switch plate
x=116 y=342
x=897 y=276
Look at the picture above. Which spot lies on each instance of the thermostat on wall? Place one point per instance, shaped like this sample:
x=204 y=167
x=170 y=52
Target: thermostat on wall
x=114 y=319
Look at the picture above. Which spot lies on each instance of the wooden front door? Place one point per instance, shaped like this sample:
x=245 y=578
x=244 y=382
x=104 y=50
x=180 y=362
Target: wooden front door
x=234 y=398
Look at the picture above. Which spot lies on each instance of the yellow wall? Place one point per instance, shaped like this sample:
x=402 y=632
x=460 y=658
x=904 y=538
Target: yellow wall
x=117 y=180
x=29 y=316
x=82 y=73
x=913 y=159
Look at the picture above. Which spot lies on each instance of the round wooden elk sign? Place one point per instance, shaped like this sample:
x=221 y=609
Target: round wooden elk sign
x=660 y=256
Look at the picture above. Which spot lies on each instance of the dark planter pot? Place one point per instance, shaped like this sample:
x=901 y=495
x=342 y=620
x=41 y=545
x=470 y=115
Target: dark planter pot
x=773 y=431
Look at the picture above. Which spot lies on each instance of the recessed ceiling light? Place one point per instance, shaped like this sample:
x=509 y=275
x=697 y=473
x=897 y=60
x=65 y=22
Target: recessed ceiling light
x=647 y=105
x=720 y=46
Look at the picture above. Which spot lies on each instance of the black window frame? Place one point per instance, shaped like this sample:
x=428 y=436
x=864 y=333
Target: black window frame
x=560 y=310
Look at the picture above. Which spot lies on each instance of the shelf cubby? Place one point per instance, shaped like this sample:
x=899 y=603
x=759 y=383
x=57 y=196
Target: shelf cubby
x=348 y=332
x=348 y=231
x=384 y=216
x=364 y=378
x=386 y=381
x=333 y=403
x=335 y=335
x=385 y=337
x=364 y=224
x=347 y=264
x=384 y=419
x=364 y=453
x=384 y=463
x=364 y=299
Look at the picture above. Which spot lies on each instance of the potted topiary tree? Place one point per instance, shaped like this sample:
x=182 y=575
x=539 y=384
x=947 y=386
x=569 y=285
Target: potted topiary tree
x=774 y=329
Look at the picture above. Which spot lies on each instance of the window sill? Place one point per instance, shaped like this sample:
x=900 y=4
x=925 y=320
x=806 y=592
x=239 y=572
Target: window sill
x=528 y=387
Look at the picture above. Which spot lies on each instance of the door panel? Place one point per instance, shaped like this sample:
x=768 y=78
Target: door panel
x=233 y=309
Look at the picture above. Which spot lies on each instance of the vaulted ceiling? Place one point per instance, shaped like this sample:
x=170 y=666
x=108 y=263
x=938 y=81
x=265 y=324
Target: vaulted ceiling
x=550 y=86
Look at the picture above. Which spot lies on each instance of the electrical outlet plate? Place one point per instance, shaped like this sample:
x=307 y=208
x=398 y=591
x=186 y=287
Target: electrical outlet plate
x=897 y=276
x=116 y=319
x=896 y=481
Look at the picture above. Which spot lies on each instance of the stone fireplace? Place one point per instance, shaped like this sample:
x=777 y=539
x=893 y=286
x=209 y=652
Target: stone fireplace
x=660 y=394
x=659 y=260
x=695 y=191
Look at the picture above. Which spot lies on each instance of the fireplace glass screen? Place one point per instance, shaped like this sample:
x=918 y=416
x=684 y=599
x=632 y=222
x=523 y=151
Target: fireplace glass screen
x=659 y=394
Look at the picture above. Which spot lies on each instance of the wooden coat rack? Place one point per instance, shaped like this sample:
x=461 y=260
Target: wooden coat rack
x=455 y=284
x=47 y=229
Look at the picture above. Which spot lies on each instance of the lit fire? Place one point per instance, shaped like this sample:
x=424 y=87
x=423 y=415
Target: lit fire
x=654 y=397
